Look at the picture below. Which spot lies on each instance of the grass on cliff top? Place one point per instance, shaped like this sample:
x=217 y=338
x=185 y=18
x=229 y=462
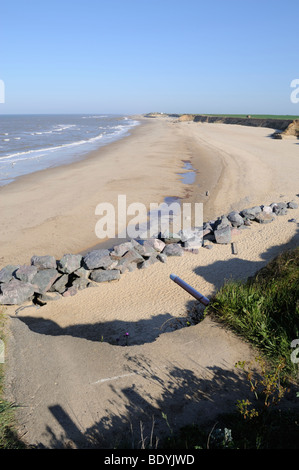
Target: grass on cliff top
x=265 y=308
x=256 y=116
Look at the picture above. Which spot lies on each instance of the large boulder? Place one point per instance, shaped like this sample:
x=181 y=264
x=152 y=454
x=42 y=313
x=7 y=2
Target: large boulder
x=131 y=257
x=251 y=212
x=264 y=217
x=43 y=262
x=149 y=261
x=195 y=242
x=82 y=272
x=173 y=249
x=121 y=249
x=7 y=273
x=235 y=219
x=143 y=247
x=279 y=208
x=155 y=244
x=222 y=222
x=69 y=263
x=102 y=275
x=15 y=292
x=44 y=279
x=223 y=235
x=61 y=284
x=26 y=273
x=97 y=259
x=292 y=205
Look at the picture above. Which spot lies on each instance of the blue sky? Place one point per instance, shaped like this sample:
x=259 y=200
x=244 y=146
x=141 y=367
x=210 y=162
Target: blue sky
x=137 y=56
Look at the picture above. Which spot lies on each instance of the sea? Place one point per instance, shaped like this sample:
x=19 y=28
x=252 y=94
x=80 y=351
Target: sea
x=29 y=143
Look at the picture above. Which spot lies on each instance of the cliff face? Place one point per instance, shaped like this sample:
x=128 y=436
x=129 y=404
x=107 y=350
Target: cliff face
x=278 y=124
x=283 y=127
x=293 y=129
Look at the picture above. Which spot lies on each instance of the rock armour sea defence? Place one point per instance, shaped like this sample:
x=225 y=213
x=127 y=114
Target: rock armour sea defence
x=47 y=279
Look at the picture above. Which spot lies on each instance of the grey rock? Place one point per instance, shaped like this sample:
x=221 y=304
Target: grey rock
x=155 y=244
x=97 y=259
x=15 y=292
x=162 y=257
x=281 y=205
x=102 y=275
x=194 y=242
x=82 y=272
x=131 y=257
x=264 y=217
x=26 y=273
x=251 y=212
x=148 y=262
x=187 y=234
x=69 y=263
x=44 y=279
x=143 y=248
x=235 y=219
x=280 y=208
x=292 y=205
x=223 y=235
x=7 y=273
x=60 y=285
x=43 y=262
x=222 y=222
x=120 y=250
x=173 y=249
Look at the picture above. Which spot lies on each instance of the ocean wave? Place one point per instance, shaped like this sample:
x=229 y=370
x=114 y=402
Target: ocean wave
x=50 y=149
x=108 y=134
x=63 y=127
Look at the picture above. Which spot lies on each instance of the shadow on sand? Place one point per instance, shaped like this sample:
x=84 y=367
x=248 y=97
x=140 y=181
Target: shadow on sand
x=184 y=397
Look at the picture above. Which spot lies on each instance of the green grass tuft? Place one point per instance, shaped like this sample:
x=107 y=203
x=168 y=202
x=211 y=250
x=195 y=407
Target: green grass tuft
x=265 y=308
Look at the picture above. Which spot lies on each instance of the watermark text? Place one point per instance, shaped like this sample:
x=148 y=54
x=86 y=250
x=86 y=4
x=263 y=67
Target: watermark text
x=136 y=221
x=295 y=93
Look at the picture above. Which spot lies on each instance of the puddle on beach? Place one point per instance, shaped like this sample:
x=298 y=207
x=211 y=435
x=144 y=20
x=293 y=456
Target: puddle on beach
x=189 y=176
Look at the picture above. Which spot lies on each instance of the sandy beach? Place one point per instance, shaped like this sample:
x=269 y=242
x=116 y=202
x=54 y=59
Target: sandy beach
x=75 y=385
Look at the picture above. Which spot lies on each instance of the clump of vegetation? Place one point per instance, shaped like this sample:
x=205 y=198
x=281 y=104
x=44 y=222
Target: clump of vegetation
x=8 y=435
x=265 y=308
